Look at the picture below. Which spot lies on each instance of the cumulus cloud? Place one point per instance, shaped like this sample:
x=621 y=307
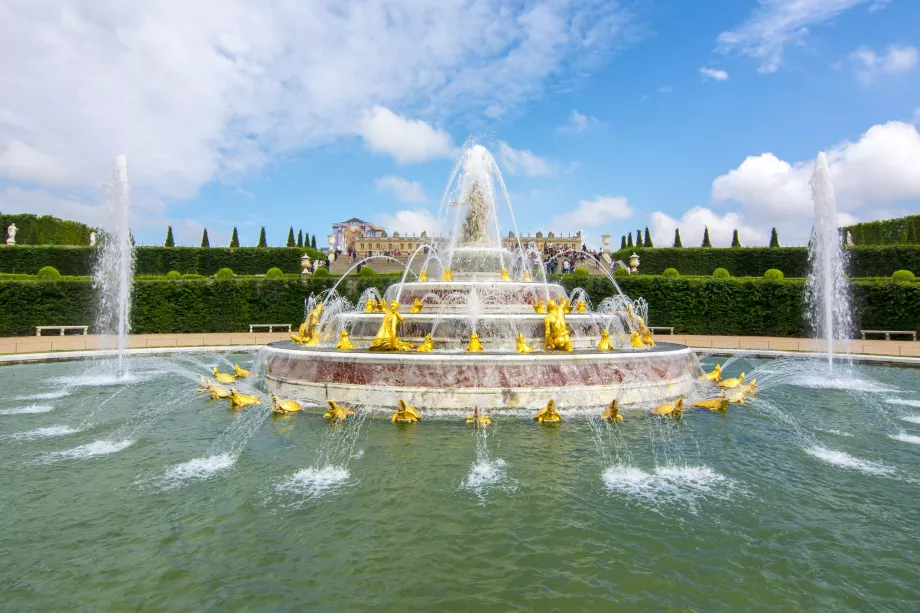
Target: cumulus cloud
x=579 y=123
x=774 y=24
x=404 y=189
x=590 y=217
x=407 y=140
x=408 y=222
x=693 y=222
x=520 y=162
x=878 y=170
x=868 y=64
x=36 y=201
x=714 y=73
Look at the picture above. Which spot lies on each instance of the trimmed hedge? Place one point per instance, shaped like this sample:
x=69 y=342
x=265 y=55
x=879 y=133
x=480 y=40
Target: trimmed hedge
x=903 y=230
x=871 y=261
x=721 y=273
x=78 y=261
x=774 y=275
x=692 y=305
x=51 y=230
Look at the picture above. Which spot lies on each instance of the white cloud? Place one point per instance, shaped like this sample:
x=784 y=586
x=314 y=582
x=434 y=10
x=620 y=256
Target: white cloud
x=520 y=162
x=714 y=73
x=916 y=119
x=693 y=222
x=878 y=170
x=579 y=123
x=39 y=202
x=665 y=89
x=405 y=190
x=868 y=64
x=590 y=215
x=408 y=222
x=407 y=140
x=216 y=89
x=775 y=24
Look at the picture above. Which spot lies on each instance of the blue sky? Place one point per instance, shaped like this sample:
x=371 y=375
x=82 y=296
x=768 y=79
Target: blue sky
x=604 y=117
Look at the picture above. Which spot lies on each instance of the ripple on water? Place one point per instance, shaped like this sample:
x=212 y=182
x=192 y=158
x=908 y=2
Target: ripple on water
x=45 y=433
x=484 y=473
x=914 y=419
x=670 y=483
x=197 y=469
x=835 y=432
x=848 y=384
x=90 y=450
x=903 y=402
x=845 y=460
x=314 y=482
x=32 y=408
x=45 y=395
x=906 y=438
x=104 y=379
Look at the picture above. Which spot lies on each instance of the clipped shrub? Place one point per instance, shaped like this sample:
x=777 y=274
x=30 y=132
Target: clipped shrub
x=581 y=271
x=192 y=275
x=903 y=276
x=49 y=273
x=324 y=272
x=774 y=275
x=173 y=275
x=367 y=271
x=670 y=272
x=224 y=273
x=621 y=272
x=720 y=273
x=274 y=273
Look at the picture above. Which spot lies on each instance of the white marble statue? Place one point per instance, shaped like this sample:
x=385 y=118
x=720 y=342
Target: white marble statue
x=92 y=239
x=11 y=234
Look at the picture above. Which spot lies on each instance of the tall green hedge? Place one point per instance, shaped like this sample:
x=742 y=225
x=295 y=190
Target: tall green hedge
x=51 y=230
x=900 y=231
x=78 y=261
x=692 y=305
x=870 y=261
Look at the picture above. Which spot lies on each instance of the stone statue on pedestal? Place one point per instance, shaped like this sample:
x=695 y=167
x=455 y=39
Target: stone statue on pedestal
x=477 y=215
x=11 y=234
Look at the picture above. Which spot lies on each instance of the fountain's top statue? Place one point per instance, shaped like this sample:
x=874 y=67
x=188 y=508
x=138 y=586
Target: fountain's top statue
x=477 y=215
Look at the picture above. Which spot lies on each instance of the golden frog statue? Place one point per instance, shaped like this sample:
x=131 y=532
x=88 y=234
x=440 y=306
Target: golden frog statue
x=740 y=393
x=505 y=275
x=223 y=377
x=555 y=330
x=612 y=412
x=337 y=413
x=240 y=372
x=605 y=344
x=539 y=308
x=581 y=306
x=423 y=276
x=478 y=418
x=307 y=334
x=203 y=384
x=344 y=341
x=713 y=404
x=670 y=410
x=447 y=276
x=474 y=344
x=406 y=414
x=522 y=346
x=548 y=414
x=214 y=390
x=527 y=278
x=635 y=341
x=369 y=306
x=387 y=338
x=647 y=339
x=238 y=400
x=416 y=306
x=427 y=344
x=714 y=375
x=380 y=306
x=731 y=383
x=566 y=305
x=284 y=406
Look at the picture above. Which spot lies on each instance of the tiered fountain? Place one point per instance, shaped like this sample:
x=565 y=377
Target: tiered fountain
x=460 y=334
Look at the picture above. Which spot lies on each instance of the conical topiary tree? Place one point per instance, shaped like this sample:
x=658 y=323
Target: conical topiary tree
x=262 y=242
x=912 y=233
x=736 y=242
x=290 y=241
x=677 y=242
x=774 y=238
x=648 y=239
x=313 y=241
x=706 y=241
x=32 y=236
x=300 y=238
x=629 y=243
x=234 y=239
x=169 y=238
x=623 y=242
x=205 y=243
x=306 y=239
x=638 y=238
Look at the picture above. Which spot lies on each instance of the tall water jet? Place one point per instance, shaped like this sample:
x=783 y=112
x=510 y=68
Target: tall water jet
x=827 y=290
x=114 y=271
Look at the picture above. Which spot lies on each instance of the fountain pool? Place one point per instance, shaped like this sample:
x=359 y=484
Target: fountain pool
x=143 y=494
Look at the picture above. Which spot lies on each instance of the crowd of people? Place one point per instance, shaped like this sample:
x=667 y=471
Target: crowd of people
x=565 y=261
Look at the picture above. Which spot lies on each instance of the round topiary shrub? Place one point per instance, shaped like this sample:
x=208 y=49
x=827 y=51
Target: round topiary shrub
x=903 y=276
x=323 y=272
x=720 y=273
x=274 y=273
x=670 y=272
x=49 y=273
x=581 y=271
x=172 y=275
x=774 y=275
x=191 y=275
x=224 y=273
x=621 y=272
x=367 y=271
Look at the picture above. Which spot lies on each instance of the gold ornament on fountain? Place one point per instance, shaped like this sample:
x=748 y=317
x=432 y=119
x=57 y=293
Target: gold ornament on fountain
x=612 y=412
x=713 y=404
x=647 y=339
x=344 y=341
x=238 y=400
x=223 y=377
x=307 y=334
x=284 y=407
x=732 y=383
x=714 y=375
x=474 y=344
x=380 y=306
x=566 y=305
x=527 y=278
x=522 y=346
x=548 y=414
x=555 y=331
x=635 y=341
x=406 y=414
x=505 y=275
x=337 y=413
x=217 y=393
x=670 y=410
x=539 y=308
x=203 y=384
x=447 y=276
x=416 y=306
x=581 y=306
x=387 y=338
x=427 y=344
x=369 y=306
x=423 y=276
x=478 y=418
x=740 y=393
x=605 y=344
x=240 y=372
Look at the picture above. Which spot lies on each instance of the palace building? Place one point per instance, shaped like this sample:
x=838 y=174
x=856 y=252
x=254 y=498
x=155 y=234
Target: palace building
x=551 y=241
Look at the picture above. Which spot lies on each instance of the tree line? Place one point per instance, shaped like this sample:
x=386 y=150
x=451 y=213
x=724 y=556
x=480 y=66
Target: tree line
x=304 y=239
x=626 y=241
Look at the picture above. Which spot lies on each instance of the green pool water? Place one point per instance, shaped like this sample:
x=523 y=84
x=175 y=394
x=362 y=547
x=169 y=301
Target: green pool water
x=148 y=497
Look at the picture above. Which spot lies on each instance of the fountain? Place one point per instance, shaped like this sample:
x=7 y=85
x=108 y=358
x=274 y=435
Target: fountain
x=827 y=290
x=459 y=335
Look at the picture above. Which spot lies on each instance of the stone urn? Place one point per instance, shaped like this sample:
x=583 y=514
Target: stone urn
x=633 y=263
x=305 y=265
x=605 y=240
